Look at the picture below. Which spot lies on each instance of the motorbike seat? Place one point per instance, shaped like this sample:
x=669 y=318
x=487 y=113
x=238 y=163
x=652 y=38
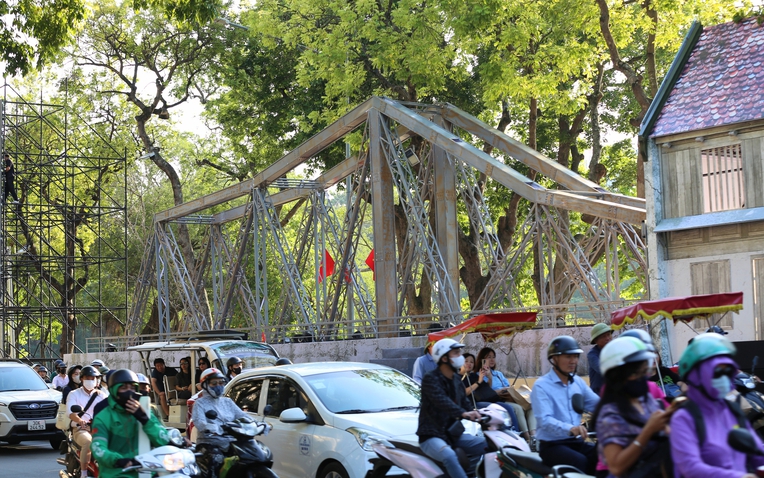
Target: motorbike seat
x=528 y=460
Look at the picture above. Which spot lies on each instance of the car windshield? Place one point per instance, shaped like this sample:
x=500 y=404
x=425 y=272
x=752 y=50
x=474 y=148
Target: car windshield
x=253 y=354
x=20 y=379
x=365 y=391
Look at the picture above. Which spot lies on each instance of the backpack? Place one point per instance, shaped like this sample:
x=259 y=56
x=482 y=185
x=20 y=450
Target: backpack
x=700 y=424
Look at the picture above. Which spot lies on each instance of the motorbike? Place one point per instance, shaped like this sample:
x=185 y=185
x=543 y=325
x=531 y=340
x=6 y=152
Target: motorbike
x=167 y=461
x=245 y=457
x=741 y=440
x=71 y=459
x=508 y=454
x=746 y=386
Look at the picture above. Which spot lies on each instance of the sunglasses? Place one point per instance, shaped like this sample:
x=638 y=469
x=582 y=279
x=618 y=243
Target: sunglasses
x=724 y=370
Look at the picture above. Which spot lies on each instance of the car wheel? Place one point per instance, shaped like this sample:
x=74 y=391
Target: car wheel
x=261 y=471
x=56 y=443
x=333 y=470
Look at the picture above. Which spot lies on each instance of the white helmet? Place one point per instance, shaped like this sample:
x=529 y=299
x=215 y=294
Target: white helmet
x=621 y=351
x=442 y=347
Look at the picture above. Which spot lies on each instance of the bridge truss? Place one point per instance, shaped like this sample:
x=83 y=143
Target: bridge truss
x=264 y=263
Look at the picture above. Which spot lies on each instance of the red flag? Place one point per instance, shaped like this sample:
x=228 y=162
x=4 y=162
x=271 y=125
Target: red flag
x=262 y=336
x=348 y=277
x=327 y=267
x=370 y=263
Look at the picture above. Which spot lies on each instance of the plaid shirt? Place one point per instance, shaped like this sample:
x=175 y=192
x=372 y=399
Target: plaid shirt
x=443 y=402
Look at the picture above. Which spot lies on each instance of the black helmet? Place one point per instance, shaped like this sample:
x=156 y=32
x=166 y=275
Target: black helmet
x=61 y=365
x=89 y=371
x=42 y=369
x=283 y=361
x=715 y=329
x=564 y=344
x=233 y=361
x=73 y=369
x=122 y=375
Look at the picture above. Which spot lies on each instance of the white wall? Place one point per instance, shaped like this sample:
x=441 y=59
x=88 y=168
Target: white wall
x=529 y=352
x=678 y=284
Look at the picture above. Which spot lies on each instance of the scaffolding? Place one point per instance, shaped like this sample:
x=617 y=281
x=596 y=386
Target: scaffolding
x=63 y=245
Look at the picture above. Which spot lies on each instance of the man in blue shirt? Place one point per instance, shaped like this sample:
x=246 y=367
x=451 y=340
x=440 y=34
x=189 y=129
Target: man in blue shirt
x=601 y=336
x=559 y=432
x=424 y=364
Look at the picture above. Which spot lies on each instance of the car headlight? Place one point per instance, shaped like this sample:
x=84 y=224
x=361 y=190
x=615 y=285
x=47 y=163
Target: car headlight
x=365 y=438
x=178 y=460
x=3 y=404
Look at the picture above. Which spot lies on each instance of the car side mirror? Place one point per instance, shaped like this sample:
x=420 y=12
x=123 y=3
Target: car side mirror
x=268 y=410
x=577 y=400
x=211 y=414
x=293 y=415
x=76 y=409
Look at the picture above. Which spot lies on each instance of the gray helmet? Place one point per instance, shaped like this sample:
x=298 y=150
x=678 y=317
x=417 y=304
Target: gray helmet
x=564 y=344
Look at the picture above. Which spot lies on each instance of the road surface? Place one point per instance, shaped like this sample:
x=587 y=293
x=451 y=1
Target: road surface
x=34 y=459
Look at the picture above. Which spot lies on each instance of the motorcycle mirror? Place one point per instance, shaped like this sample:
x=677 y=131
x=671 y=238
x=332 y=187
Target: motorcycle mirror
x=76 y=409
x=211 y=414
x=577 y=400
x=741 y=440
x=175 y=437
x=268 y=410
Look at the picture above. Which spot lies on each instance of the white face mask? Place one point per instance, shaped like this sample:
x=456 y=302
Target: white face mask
x=89 y=384
x=76 y=378
x=457 y=362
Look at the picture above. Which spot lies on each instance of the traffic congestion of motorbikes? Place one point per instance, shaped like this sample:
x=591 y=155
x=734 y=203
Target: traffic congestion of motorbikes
x=705 y=417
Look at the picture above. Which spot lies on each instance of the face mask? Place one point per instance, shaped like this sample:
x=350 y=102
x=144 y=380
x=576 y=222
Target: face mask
x=215 y=391
x=76 y=378
x=722 y=385
x=636 y=388
x=236 y=370
x=144 y=393
x=89 y=384
x=457 y=362
x=124 y=396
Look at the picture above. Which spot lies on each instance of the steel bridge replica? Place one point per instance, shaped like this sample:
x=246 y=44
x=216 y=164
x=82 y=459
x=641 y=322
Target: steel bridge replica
x=298 y=258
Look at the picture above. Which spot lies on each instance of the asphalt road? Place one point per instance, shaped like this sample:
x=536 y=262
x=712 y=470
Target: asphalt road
x=34 y=459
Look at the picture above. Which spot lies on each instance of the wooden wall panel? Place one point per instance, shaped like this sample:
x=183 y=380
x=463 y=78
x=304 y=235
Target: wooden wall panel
x=710 y=278
x=758 y=296
x=668 y=182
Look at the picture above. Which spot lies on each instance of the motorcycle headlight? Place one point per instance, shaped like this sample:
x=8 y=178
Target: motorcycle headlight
x=178 y=460
x=365 y=438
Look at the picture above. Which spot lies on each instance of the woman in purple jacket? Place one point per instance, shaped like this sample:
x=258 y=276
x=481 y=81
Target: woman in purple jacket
x=707 y=368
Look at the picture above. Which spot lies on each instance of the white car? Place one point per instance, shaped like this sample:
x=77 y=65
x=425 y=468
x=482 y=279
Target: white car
x=28 y=408
x=323 y=414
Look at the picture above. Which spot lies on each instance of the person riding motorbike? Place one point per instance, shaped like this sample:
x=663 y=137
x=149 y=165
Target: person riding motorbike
x=73 y=374
x=211 y=437
x=628 y=419
x=60 y=380
x=601 y=334
x=699 y=430
x=87 y=397
x=443 y=404
x=116 y=428
x=234 y=365
x=560 y=433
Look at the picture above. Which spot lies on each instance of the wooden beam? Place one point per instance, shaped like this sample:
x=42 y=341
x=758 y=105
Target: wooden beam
x=532 y=158
x=383 y=217
x=289 y=161
x=502 y=173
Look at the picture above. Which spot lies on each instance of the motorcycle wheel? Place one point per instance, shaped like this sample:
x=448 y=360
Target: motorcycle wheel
x=72 y=465
x=260 y=471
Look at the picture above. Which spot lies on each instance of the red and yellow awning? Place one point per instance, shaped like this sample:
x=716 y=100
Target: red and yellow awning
x=490 y=326
x=678 y=308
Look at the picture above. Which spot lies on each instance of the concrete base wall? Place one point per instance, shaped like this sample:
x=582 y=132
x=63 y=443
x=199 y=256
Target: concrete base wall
x=524 y=353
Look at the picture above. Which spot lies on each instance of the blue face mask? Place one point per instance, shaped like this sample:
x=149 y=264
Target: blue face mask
x=216 y=391
x=722 y=385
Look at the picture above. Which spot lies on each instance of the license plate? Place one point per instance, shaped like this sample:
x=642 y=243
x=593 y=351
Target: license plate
x=36 y=425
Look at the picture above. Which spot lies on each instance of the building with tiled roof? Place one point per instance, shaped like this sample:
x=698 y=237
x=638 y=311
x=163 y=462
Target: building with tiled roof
x=704 y=175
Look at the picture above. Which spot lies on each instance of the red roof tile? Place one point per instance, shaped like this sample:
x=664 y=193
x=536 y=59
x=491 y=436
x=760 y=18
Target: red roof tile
x=721 y=83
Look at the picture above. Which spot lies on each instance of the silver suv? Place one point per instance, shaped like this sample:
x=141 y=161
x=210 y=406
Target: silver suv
x=28 y=407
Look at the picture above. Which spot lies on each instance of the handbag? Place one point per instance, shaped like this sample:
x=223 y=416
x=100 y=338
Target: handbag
x=484 y=393
x=62 y=418
x=656 y=463
x=455 y=430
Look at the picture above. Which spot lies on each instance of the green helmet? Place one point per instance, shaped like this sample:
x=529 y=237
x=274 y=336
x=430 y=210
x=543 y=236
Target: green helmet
x=598 y=330
x=702 y=348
